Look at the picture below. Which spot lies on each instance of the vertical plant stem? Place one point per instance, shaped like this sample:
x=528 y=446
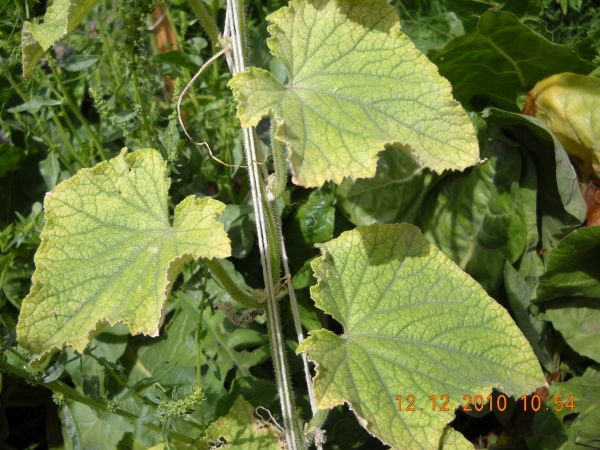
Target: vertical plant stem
x=141 y=101
x=199 y=332
x=293 y=432
x=71 y=104
x=276 y=189
x=278 y=186
x=66 y=141
x=109 y=53
x=205 y=19
x=214 y=11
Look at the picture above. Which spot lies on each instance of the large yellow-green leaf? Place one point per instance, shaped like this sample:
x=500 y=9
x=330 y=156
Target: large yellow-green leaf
x=355 y=83
x=108 y=252
x=61 y=18
x=570 y=105
x=414 y=323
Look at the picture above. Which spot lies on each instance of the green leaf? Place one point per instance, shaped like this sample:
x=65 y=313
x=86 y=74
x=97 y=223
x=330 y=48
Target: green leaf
x=355 y=84
x=79 y=63
x=241 y=229
x=500 y=60
x=50 y=170
x=583 y=432
x=230 y=346
x=579 y=323
x=431 y=30
x=520 y=290
x=312 y=222
x=84 y=427
x=240 y=430
x=109 y=253
x=61 y=18
x=454 y=440
x=572 y=268
x=559 y=198
x=108 y=345
x=413 y=324
x=96 y=429
x=316 y=217
x=34 y=105
x=394 y=195
x=477 y=217
x=170 y=358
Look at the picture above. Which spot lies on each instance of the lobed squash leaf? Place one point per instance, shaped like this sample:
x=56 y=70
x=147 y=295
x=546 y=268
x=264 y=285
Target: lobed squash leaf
x=109 y=253
x=355 y=83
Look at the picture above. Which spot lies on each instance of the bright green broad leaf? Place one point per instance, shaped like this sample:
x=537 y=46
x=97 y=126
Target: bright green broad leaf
x=61 y=18
x=355 y=83
x=414 y=323
x=240 y=430
x=109 y=253
x=34 y=105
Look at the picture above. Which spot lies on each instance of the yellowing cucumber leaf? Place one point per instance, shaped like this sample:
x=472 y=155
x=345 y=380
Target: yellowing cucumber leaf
x=109 y=254
x=61 y=18
x=414 y=323
x=454 y=440
x=355 y=83
x=569 y=104
x=240 y=430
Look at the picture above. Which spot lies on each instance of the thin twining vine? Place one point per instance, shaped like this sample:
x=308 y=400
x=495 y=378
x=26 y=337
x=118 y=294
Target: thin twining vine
x=272 y=249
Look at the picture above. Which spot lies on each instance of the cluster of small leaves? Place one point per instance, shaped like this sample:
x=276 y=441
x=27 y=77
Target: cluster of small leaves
x=178 y=409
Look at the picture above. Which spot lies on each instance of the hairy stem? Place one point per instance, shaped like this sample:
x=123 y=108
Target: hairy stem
x=275 y=190
x=268 y=240
x=206 y=20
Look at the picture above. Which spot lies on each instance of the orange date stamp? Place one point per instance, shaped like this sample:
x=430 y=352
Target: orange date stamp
x=479 y=403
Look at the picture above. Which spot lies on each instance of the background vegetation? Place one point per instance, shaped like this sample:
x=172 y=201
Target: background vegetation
x=114 y=83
